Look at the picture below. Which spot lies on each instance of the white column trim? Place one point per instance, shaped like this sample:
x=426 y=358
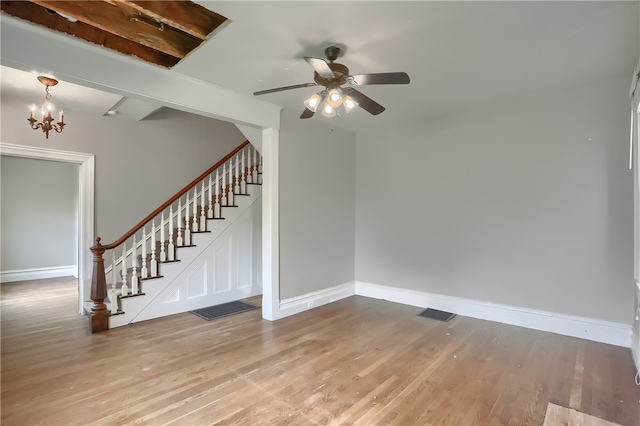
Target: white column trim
x=86 y=200
x=270 y=225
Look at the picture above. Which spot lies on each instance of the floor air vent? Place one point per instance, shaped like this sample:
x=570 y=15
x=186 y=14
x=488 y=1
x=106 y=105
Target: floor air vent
x=436 y=314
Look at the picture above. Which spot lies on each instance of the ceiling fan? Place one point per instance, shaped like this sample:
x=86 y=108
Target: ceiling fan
x=333 y=76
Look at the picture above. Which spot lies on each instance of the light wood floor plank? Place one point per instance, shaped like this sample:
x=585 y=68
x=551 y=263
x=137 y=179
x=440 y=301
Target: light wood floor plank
x=356 y=361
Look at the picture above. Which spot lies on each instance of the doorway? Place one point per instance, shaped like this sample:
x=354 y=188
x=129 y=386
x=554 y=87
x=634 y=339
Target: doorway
x=85 y=202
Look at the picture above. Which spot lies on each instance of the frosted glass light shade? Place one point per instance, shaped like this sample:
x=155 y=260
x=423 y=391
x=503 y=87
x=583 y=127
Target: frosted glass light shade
x=334 y=98
x=328 y=110
x=313 y=102
x=349 y=103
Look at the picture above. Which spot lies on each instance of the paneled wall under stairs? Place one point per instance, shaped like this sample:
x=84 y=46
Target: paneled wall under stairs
x=224 y=265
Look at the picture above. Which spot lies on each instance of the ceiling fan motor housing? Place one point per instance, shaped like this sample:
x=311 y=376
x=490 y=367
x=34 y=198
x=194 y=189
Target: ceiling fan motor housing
x=340 y=74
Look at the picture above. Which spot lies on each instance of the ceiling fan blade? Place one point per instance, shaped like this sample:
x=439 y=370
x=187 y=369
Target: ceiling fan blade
x=280 y=89
x=380 y=78
x=365 y=102
x=307 y=113
x=320 y=66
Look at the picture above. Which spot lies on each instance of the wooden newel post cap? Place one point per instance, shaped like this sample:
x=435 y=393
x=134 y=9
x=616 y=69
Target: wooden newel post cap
x=98 y=249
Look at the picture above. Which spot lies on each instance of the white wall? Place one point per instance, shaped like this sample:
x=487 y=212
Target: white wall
x=139 y=164
x=39 y=227
x=527 y=203
x=317 y=209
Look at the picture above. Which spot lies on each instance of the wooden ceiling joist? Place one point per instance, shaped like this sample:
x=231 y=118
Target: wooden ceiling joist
x=183 y=15
x=161 y=32
x=39 y=15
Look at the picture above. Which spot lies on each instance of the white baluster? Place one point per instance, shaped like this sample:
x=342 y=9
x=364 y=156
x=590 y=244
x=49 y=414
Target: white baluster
x=236 y=189
x=187 y=224
x=171 y=248
x=255 y=166
x=203 y=217
x=243 y=181
x=114 y=284
x=123 y=264
x=259 y=169
x=224 y=185
x=144 y=273
x=154 y=262
x=134 y=268
x=210 y=212
x=216 y=207
x=194 y=222
x=163 y=254
x=179 y=239
x=230 y=199
x=249 y=167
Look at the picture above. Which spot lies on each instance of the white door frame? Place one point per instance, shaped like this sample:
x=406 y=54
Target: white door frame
x=86 y=179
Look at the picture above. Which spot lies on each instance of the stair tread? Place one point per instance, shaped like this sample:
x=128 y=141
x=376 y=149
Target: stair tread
x=129 y=295
x=151 y=278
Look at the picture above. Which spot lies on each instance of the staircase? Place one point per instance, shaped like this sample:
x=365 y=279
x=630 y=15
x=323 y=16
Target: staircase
x=199 y=248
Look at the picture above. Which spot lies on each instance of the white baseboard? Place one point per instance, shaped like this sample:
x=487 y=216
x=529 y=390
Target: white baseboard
x=295 y=305
x=584 y=328
x=38 y=273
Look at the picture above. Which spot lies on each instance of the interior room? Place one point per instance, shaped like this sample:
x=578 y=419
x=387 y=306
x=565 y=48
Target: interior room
x=342 y=166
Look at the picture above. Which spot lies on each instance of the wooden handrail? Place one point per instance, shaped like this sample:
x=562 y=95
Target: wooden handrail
x=179 y=194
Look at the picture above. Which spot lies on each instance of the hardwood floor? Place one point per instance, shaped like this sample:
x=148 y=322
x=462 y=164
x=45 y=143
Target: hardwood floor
x=355 y=361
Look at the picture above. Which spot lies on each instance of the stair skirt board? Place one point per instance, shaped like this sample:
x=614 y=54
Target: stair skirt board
x=224 y=266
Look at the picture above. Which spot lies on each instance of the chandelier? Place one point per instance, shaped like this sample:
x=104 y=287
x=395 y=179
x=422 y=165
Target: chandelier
x=46 y=122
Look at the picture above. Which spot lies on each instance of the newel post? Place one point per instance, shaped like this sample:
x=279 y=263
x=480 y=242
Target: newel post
x=99 y=313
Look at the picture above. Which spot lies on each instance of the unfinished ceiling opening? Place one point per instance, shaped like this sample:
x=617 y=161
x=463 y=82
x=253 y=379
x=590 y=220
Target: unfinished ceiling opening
x=160 y=32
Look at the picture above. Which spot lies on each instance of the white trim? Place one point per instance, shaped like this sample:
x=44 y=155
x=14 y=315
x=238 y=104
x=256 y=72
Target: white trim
x=635 y=351
x=270 y=226
x=297 y=304
x=568 y=325
x=635 y=339
x=86 y=182
x=37 y=273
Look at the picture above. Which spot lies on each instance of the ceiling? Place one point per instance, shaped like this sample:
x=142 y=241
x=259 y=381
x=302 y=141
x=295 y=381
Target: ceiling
x=458 y=54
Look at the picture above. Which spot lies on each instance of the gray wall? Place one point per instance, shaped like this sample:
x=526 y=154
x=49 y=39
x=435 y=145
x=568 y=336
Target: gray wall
x=317 y=209
x=139 y=164
x=527 y=203
x=39 y=227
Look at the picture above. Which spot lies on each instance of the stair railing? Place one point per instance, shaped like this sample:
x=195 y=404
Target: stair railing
x=165 y=229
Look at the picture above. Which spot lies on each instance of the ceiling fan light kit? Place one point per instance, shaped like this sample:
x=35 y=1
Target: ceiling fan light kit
x=333 y=76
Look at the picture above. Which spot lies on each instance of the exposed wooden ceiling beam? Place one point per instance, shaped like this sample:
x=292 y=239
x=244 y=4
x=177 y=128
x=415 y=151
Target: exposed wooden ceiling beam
x=123 y=20
x=183 y=15
x=39 y=15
